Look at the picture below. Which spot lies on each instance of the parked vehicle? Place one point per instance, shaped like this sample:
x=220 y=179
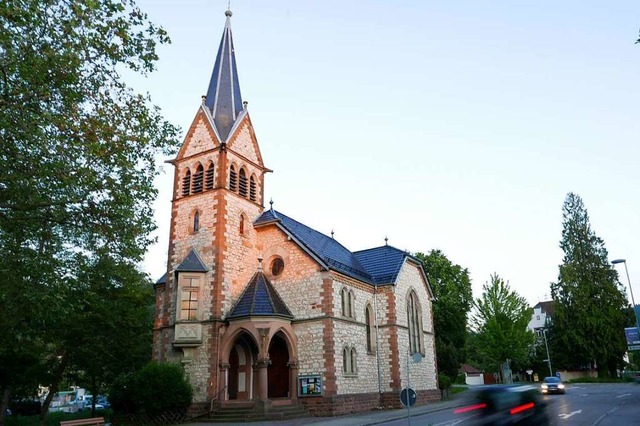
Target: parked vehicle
x=88 y=401
x=552 y=385
x=68 y=401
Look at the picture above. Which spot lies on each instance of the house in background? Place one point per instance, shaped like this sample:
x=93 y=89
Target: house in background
x=541 y=317
x=472 y=376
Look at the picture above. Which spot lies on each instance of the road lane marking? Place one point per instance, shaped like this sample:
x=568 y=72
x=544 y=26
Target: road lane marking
x=451 y=422
x=566 y=416
x=623 y=395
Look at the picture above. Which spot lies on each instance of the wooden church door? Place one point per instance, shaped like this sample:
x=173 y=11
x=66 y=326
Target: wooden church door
x=278 y=371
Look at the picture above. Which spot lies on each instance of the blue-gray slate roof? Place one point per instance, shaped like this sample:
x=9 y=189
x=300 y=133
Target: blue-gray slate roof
x=162 y=280
x=260 y=299
x=192 y=263
x=223 y=96
x=379 y=265
x=383 y=263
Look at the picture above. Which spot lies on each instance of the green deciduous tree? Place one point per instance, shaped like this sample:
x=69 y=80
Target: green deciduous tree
x=77 y=163
x=117 y=306
x=453 y=298
x=591 y=308
x=499 y=325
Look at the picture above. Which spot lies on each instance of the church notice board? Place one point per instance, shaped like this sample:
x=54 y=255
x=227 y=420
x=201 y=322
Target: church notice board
x=310 y=385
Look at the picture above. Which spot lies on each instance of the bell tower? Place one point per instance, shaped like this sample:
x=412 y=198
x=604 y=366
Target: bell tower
x=218 y=192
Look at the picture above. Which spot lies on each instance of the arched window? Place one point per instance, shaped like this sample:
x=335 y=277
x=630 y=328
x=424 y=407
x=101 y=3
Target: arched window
x=347 y=300
x=354 y=364
x=241 y=224
x=186 y=183
x=233 y=179
x=196 y=221
x=371 y=337
x=415 y=323
x=197 y=179
x=252 y=188
x=352 y=301
x=345 y=360
x=208 y=180
x=344 y=298
x=243 y=183
x=349 y=361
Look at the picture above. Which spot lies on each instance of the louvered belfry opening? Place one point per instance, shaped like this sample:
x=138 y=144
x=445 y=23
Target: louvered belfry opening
x=243 y=183
x=186 y=183
x=208 y=181
x=233 y=179
x=252 y=188
x=198 y=179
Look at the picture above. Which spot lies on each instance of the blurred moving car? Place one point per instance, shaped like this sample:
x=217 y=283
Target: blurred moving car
x=505 y=405
x=552 y=385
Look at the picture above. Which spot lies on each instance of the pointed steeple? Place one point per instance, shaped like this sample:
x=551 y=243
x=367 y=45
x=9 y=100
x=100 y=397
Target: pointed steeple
x=223 y=96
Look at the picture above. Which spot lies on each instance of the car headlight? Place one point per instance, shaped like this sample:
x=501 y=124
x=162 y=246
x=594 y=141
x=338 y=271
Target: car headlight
x=560 y=386
x=544 y=386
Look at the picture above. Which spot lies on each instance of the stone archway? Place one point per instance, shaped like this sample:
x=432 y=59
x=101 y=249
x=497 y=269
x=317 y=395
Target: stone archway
x=278 y=371
x=240 y=374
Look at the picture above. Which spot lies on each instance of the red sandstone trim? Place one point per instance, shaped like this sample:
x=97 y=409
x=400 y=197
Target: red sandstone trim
x=220 y=241
x=394 y=359
x=330 y=385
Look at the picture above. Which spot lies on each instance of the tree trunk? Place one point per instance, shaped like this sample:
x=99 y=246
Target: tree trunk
x=53 y=389
x=4 y=404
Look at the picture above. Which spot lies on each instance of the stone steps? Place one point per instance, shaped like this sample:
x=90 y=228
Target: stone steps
x=245 y=413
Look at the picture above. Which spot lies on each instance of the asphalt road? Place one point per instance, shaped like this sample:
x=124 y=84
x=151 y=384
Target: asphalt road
x=583 y=404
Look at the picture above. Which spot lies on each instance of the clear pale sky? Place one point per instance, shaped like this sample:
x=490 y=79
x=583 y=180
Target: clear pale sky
x=451 y=125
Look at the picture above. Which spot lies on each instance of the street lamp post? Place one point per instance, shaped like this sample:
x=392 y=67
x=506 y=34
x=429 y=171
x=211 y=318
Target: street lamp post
x=544 y=333
x=635 y=314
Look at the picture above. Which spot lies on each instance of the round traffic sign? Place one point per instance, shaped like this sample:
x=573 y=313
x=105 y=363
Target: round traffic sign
x=408 y=397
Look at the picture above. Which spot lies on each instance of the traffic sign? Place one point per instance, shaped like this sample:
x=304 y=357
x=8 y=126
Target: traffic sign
x=408 y=397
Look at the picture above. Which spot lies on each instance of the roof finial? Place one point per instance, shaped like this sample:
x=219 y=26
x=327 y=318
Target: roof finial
x=386 y=240
x=228 y=12
x=259 y=263
x=332 y=233
x=271 y=203
x=244 y=105
x=204 y=99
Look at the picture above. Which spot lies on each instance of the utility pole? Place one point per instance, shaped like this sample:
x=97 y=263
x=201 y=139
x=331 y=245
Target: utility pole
x=544 y=333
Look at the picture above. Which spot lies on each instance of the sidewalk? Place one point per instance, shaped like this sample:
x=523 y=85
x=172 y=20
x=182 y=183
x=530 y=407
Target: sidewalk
x=361 y=419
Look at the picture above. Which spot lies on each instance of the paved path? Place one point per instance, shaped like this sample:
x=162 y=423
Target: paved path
x=367 y=418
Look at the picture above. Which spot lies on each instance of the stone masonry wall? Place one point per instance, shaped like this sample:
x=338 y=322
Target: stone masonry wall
x=300 y=283
x=244 y=144
x=423 y=375
x=241 y=254
x=351 y=332
x=199 y=139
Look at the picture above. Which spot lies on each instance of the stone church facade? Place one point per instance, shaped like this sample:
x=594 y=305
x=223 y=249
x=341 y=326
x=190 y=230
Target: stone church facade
x=263 y=309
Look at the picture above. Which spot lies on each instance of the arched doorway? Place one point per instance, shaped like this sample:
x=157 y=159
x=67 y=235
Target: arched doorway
x=241 y=358
x=233 y=374
x=278 y=370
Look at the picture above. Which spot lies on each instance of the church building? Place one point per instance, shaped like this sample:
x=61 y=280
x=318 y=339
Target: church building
x=264 y=310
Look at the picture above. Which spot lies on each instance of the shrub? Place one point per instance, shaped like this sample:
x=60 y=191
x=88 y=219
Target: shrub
x=154 y=390
x=444 y=382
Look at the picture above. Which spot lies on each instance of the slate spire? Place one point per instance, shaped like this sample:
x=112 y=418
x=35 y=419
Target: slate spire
x=223 y=96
